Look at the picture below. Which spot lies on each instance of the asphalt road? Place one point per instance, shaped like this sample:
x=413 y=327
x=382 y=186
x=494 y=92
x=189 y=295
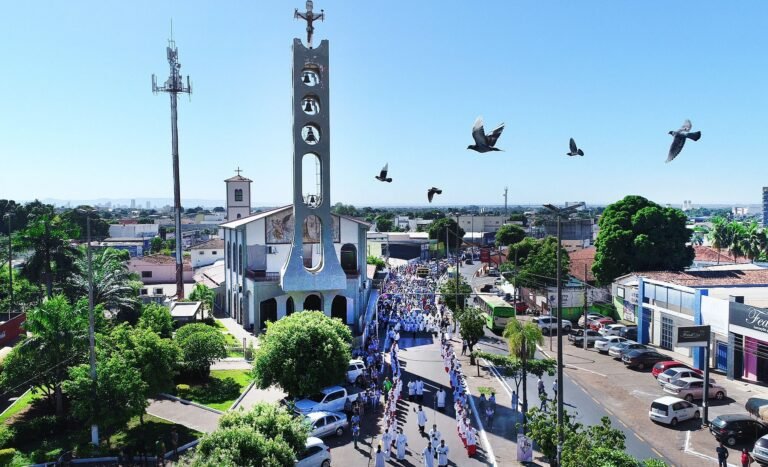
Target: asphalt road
x=577 y=401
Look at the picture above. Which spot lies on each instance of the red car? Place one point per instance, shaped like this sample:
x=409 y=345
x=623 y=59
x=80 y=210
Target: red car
x=597 y=324
x=661 y=367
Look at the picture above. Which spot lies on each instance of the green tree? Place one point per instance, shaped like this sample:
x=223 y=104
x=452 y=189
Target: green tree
x=455 y=299
x=206 y=295
x=155 y=358
x=58 y=341
x=48 y=237
x=302 y=353
x=639 y=235
x=79 y=219
x=156 y=318
x=509 y=234
x=114 y=286
x=157 y=245
x=472 y=325
x=25 y=294
x=540 y=266
x=118 y=394
x=201 y=345
x=375 y=261
x=522 y=340
x=267 y=435
x=384 y=224
x=720 y=235
x=519 y=252
x=754 y=241
x=439 y=228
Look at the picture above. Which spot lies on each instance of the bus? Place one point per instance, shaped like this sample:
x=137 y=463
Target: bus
x=495 y=310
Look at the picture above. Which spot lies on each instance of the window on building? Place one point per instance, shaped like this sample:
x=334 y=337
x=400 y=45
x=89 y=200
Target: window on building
x=213 y=252
x=146 y=274
x=667 y=326
x=143 y=292
x=202 y=252
x=158 y=291
x=238 y=194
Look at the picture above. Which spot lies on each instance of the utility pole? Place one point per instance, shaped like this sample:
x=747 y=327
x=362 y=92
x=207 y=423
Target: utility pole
x=173 y=86
x=10 y=264
x=586 y=305
x=91 y=321
x=506 y=189
x=559 y=213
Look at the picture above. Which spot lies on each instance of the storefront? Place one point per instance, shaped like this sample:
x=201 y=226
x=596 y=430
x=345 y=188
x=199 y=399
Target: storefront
x=747 y=343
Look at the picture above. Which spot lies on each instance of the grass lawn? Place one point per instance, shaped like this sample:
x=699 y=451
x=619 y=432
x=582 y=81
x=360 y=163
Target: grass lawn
x=221 y=390
x=230 y=340
x=41 y=438
x=19 y=405
x=217 y=324
x=235 y=352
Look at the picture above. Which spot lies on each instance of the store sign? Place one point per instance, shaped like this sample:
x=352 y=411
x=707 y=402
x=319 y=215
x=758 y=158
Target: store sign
x=748 y=317
x=485 y=255
x=693 y=336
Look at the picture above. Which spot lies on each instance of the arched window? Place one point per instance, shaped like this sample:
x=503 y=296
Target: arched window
x=339 y=308
x=238 y=194
x=349 y=258
x=240 y=258
x=313 y=302
x=229 y=255
x=239 y=216
x=290 y=307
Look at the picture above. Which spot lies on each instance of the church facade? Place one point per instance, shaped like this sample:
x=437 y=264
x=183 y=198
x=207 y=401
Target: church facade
x=258 y=247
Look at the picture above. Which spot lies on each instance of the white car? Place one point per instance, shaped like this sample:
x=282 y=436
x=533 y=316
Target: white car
x=326 y=423
x=590 y=317
x=330 y=399
x=548 y=324
x=672 y=410
x=611 y=330
x=672 y=374
x=316 y=454
x=355 y=371
x=602 y=345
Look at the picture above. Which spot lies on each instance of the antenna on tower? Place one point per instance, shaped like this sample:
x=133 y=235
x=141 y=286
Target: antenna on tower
x=506 y=189
x=173 y=86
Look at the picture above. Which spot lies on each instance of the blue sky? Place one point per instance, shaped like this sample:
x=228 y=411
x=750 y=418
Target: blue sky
x=79 y=120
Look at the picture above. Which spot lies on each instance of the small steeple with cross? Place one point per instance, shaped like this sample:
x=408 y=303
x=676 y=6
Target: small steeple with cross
x=310 y=18
x=238 y=170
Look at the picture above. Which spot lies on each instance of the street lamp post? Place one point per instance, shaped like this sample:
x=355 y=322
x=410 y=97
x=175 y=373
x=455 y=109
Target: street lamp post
x=91 y=338
x=559 y=213
x=8 y=215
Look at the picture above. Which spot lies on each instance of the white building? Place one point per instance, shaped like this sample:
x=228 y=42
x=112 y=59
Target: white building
x=133 y=230
x=238 y=197
x=207 y=253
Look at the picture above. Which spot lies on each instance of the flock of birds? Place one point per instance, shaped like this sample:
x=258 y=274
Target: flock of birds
x=487 y=143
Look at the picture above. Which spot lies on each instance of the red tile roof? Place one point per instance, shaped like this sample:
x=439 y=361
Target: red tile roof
x=709 y=278
x=708 y=254
x=579 y=259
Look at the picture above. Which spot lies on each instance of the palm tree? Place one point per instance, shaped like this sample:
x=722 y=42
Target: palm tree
x=738 y=237
x=112 y=282
x=522 y=340
x=719 y=235
x=754 y=242
x=203 y=293
x=48 y=237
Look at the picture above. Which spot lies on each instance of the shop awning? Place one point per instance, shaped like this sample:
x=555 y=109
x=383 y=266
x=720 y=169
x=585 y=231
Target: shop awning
x=758 y=407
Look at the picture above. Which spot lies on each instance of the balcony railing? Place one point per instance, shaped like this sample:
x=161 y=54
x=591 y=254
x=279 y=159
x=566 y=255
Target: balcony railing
x=263 y=276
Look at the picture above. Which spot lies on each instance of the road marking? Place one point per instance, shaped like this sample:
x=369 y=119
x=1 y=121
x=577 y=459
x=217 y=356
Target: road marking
x=657 y=452
x=622 y=423
x=584 y=369
x=690 y=451
x=609 y=411
x=638 y=437
x=596 y=401
x=483 y=438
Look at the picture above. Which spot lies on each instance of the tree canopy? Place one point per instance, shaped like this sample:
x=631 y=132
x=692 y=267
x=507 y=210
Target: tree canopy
x=157 y=318
x=201 y=345
x=303 y=353
x=639 y=235
x=471 y=325
x=537 y=262
x=509 y=234
x=455 y=299
x=439 y=228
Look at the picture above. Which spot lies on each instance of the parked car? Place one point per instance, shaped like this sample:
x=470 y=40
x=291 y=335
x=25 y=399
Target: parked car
x=760 y=451
x=326 y=423
x=330 y=399
x=590 y=316
x=672 y=374
x=617 y=350
x=629 y=333
x=577 y=337
x=600 y=323
x=737 y=428
x=494 y=273
x=641 y=358
x=661 y=367
x=498 y=281
x=611 y=329
x=548 y=324
x=355 y=372
x=316 y=454
x=693 y=388
x=604 y=343
x=672 y=410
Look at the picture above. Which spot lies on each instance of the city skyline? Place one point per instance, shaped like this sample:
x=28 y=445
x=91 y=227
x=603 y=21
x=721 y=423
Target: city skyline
x=80 y=111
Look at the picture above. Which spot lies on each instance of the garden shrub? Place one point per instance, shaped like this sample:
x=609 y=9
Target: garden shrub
x=182 y=390
x=6 y=456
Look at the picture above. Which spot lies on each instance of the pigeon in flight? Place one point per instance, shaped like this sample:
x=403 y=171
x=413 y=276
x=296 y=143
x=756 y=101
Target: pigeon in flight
x=575 y=151
x=679 y=139
x=483 y=142
x=382 y=177
x=432 y=191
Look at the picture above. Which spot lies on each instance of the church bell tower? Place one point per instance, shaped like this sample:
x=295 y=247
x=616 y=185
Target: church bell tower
x=312 y=264
x=238 y=196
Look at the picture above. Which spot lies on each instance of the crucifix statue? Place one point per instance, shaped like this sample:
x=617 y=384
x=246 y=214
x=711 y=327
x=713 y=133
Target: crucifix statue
x=310 y=18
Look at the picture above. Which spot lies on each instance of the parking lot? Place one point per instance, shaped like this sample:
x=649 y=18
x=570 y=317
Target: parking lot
x=628 y=395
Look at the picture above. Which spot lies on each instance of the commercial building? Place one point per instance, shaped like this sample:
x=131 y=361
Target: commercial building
x=207 y=253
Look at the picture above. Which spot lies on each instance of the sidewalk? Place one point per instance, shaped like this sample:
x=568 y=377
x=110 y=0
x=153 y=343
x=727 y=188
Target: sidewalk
x=190 y=416
x=231 y=363
x=238 y=331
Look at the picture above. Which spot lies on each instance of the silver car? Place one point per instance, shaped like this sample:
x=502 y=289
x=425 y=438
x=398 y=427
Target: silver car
x=326 y=423
x=604 y=344
x=693 y=388
x=672 y=374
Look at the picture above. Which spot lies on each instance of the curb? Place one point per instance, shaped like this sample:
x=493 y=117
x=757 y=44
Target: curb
x=186 y=402
x=242 y=396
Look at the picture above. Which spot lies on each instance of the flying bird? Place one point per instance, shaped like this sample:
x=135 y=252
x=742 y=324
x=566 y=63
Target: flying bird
x=432 y=192
x=679 y=139
x=483 y=142
x=575 y=151
x=382 y=177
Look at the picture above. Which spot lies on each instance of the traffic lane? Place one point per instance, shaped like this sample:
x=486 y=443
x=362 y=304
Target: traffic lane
x=578 y=401
x=630 y=393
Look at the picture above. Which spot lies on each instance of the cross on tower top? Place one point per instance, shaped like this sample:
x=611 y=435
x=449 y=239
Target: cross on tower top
x=310 y=18
x=238 y=170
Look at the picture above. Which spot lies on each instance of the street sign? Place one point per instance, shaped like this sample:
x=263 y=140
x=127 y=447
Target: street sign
x=693 y=336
